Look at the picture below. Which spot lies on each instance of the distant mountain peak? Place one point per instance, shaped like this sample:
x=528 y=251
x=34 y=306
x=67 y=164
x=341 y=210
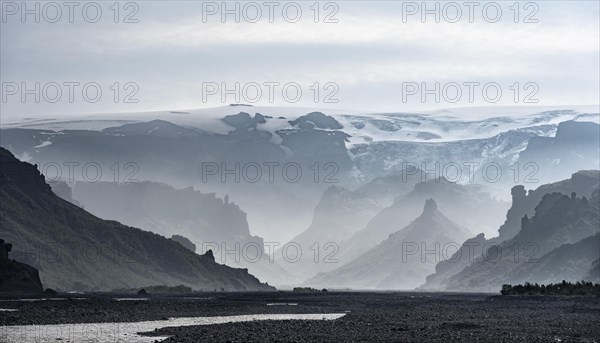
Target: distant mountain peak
x=318 y=120
x=244 y=120
x=430 y=206
x=209 y=254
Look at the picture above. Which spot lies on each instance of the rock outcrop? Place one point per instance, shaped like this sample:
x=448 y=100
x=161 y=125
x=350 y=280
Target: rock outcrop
x=15 y=277
x=537 y=239
x=583 y=182
x=185 y=242
x=560 y=242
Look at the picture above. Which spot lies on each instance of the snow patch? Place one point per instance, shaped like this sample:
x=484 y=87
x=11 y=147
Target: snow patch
x=45 y=143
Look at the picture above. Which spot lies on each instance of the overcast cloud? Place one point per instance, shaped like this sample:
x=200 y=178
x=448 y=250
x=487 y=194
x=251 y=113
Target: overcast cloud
x=369 y=53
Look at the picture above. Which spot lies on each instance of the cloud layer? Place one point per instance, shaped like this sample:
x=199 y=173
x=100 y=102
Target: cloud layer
x=370 y=54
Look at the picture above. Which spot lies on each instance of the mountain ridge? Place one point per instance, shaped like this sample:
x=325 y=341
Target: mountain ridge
x=402 y=260
x=90 y=253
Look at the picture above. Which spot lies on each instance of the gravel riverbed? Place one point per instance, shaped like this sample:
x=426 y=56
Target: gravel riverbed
x=370 y=317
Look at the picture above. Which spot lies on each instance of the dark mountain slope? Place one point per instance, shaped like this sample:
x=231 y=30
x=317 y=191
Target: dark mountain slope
x=551 y=247
x=470 y=250
x=584 y=183
x=73 y=249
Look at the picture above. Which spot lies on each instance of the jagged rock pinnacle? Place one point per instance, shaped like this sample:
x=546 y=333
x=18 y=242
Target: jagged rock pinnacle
x=209 y=254
x=430 y=206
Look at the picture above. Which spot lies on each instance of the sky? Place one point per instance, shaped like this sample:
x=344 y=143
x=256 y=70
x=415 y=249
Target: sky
x=380 y=56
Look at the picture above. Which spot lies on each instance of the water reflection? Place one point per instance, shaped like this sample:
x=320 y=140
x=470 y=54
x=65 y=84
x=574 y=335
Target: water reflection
x=127 y=332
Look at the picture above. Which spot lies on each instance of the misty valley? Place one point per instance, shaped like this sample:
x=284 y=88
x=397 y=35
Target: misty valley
x=299 y=171
x=192 y=217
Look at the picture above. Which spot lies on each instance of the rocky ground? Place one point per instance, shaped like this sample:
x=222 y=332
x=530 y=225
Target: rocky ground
x=371 y=317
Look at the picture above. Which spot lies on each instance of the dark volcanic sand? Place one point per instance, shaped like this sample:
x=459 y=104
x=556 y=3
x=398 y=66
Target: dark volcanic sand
x=372 y=317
